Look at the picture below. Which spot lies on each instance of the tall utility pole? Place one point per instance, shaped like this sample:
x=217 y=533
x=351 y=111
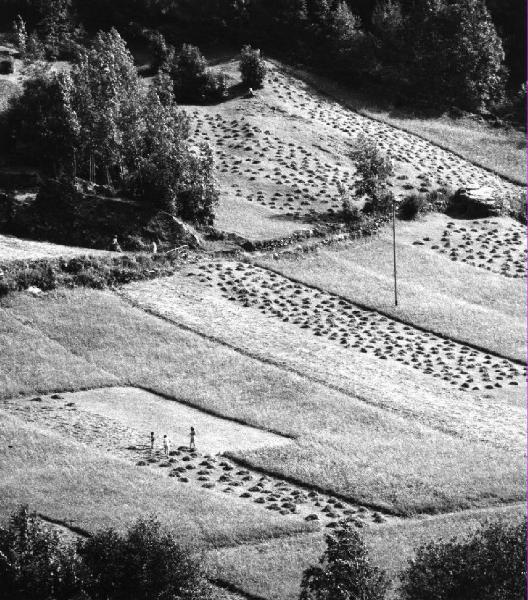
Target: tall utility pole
x=394 y=251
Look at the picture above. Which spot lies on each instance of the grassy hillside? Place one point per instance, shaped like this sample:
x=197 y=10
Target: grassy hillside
x=452 y=298
x=343 y=445
x=273 y=569
x=90 y=489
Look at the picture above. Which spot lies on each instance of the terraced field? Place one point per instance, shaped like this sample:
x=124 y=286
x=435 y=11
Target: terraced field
x=314 y=398
x=283 y=155
x=493 y=245
x=369 y=332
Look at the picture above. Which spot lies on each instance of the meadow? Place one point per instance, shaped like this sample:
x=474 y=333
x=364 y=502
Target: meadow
x=273 y=569
x=342 y=444
x=89 y=489
x=313 y=396
x=450 y=298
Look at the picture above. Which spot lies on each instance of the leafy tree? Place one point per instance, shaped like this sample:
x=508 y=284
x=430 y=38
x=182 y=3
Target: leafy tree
x=145 y=564
x=458 y=56
x=165 y=172
x=189 y=74
x=43 y=123
x=56 y=27
x=107 y=102
x=490 y=564
x=252 y=67
x=374 y=170
x=97 y=123
x=344 y=571
x=162 y=52
x=20 y=33
x=34 y=562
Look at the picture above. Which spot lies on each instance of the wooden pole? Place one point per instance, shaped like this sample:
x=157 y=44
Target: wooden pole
x=394 y=252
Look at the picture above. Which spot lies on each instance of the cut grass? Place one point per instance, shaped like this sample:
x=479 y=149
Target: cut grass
x=87 y=489
x=502 y=151
x=274 y=569
x=456 y=300
x=344 y=445
x=396 y=387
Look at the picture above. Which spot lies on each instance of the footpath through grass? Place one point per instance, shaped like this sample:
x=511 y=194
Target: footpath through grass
x=343 y=445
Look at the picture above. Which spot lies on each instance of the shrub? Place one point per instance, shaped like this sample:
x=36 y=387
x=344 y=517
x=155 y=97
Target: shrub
x=374 y=170
x=143 y=564
x=215 y=87
x=162 y=53
x=491 y=565
x=410 y=207
x=438 y=200
x=34 y=562
x=518 y=210
x=344 y=571
x=7 y=66
x=252 y=67
x=40 y=275
x=188 y=73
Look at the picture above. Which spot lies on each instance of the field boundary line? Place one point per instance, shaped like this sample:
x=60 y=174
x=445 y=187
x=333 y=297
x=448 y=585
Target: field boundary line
x=73 y=528
x=309 y=79
x=278 y=365
x=386 y=314
x=208 y=411
x=67 y=390
x=243 y=462
x=234 y=589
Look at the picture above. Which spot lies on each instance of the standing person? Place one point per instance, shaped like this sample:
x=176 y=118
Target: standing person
x=115 y=246
x=166 y=445
x=192 y=445
x=154 y=247
x=151 y=441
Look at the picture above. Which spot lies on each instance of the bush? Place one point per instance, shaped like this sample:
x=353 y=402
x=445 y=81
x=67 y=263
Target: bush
x=215 y=87
x=143 y=564
x=518 y=210
x=252 y=67
x=344 y=571
x=489 y=565
x=374 y=170
x=188 y=72
x=40 y=275
x=410 y=207
x=7 y=66
x=34 y=562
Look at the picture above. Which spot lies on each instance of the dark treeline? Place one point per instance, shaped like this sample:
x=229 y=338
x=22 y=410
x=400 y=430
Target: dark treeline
x=465 y=53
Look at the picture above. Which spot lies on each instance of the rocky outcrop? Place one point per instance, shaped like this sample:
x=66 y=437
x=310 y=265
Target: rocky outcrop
x=476 y=201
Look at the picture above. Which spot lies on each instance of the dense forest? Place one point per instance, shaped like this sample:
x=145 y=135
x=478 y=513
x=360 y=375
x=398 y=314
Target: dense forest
x=464 y=53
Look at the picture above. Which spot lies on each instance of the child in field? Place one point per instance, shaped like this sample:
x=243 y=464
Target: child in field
x=192 y=445
x=166 y=445
x=151 y=441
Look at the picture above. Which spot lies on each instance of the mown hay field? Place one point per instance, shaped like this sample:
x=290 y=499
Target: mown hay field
x=342 y=444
